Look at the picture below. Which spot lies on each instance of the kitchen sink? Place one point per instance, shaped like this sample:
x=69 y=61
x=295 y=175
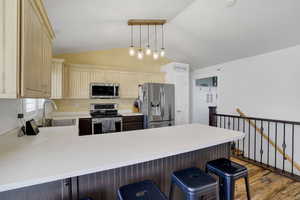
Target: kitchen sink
x=59 y=122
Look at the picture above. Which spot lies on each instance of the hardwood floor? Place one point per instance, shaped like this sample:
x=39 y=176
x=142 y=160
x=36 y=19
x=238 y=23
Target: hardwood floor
x=266 y=185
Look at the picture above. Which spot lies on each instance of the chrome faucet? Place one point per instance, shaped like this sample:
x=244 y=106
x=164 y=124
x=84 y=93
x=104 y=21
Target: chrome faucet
x=53 y=104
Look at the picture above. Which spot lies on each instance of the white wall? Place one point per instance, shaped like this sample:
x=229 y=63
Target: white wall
x=8 y=115
x=265 y=86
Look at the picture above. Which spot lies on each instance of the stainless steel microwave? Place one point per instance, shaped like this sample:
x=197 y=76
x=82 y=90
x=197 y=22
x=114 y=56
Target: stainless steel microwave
x=104 y=90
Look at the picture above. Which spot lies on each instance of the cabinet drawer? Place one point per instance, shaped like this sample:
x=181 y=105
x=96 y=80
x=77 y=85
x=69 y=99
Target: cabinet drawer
x=133 y=126
x=129 y=119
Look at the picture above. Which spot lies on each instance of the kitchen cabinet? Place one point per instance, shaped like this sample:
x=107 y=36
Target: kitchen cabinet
x=78 y=78
x=178 y=74
x=57 y=78
x=26 y=50
x=51 y=191
x=131 y=83
x=79 y=83
x=9 y=48
x=85 y=126
x=131 y=123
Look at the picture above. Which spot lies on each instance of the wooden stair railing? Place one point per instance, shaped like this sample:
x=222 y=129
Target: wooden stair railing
x=296 y=165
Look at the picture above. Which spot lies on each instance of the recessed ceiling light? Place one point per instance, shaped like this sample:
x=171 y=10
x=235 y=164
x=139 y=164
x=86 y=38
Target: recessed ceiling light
x=230 y=3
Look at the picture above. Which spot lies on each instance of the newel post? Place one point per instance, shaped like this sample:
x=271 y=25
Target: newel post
x=212 y=115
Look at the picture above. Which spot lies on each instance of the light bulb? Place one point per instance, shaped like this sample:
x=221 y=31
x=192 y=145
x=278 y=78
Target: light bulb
x=162 y=52
x=131 y=51
x=155 y=55
x=140 y=54
x=148 y=51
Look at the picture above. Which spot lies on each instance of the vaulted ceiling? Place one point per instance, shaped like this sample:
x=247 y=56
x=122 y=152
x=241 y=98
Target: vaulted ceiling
x=199 y=32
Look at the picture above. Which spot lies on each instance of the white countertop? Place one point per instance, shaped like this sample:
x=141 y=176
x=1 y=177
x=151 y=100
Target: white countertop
x=58 y=152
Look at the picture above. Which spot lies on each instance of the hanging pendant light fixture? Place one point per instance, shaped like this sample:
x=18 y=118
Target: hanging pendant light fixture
x=162 y=51
x=131 y=48
x=140 y=54
x=155 y=53
x=148 y=50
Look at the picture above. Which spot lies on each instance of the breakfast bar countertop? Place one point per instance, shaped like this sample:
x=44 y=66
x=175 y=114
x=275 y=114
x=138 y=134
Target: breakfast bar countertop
x=58 y=152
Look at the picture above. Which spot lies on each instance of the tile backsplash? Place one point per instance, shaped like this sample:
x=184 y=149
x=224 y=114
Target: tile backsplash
x=83 y=105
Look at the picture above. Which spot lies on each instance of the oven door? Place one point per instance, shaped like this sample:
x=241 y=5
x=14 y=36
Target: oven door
x=104 y=91
x=106 y=125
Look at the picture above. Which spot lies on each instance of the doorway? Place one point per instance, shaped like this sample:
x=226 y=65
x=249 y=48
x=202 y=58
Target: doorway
x=205 y=94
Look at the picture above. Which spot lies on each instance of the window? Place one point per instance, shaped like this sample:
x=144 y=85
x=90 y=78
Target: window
x=32 y=106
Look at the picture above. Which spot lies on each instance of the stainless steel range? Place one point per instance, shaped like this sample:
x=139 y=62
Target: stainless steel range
x=105 y=118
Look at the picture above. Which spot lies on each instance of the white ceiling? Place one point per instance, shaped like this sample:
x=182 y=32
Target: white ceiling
x=200 y=32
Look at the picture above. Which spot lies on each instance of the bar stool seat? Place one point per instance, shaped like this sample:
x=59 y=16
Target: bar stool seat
x=228 y=172
x=194 y=183
x=145 y=190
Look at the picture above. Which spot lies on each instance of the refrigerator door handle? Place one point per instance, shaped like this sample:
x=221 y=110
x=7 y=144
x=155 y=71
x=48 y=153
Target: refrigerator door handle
x=163 y=102
x=160 y=102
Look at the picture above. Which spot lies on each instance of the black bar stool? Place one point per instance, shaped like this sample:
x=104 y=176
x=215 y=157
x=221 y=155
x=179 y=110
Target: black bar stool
x=145 y=190
x=228 y=172
x=194 y=183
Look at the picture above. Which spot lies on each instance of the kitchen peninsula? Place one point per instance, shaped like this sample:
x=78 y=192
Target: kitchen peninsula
x=58 y=164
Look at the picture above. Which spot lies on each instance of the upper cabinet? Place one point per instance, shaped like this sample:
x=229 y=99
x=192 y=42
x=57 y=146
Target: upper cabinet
x=9 y=48
x=57 y=78
x=25 y=50
x=78 y=78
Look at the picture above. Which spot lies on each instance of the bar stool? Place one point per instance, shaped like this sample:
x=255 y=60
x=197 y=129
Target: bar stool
x=228 y=172
x=145 y=190
x=194 y=183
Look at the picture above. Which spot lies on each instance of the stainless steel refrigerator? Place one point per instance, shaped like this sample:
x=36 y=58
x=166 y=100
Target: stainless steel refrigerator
x=158 y=104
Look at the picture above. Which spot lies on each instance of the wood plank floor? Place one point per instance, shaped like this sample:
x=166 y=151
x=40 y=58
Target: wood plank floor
x=266 y=185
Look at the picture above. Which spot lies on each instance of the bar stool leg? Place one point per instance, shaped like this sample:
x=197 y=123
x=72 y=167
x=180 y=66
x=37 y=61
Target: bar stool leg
x=191 y=197
x=171 y=193
x=247 y=187
x=229 y=189
x=217 y=193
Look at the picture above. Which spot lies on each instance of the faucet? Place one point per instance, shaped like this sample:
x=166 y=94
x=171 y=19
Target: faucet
x=53 y=104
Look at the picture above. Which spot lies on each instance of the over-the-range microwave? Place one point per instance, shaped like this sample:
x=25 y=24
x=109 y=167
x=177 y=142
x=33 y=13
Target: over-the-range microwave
x=104 y=90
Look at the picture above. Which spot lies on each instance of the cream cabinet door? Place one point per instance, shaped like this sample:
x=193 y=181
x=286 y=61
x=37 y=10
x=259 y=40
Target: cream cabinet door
x=9 y=48
x=79 y=81
x=36 y=53
x=152 y=78
x=32 y=52
x=112 y=77
x=129 y=82
x=97 y=76
x=57 y=78
x=46 y=66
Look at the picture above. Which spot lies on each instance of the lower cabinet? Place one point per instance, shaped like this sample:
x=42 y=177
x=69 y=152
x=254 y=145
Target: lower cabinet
x=131 y=123
x=57 y=190
x=85 y=126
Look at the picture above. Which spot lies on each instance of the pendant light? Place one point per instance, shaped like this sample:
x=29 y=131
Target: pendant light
x=140 y=54
x=162 y=51
x=131 y=48
x=148 y=50
x=155 y=53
